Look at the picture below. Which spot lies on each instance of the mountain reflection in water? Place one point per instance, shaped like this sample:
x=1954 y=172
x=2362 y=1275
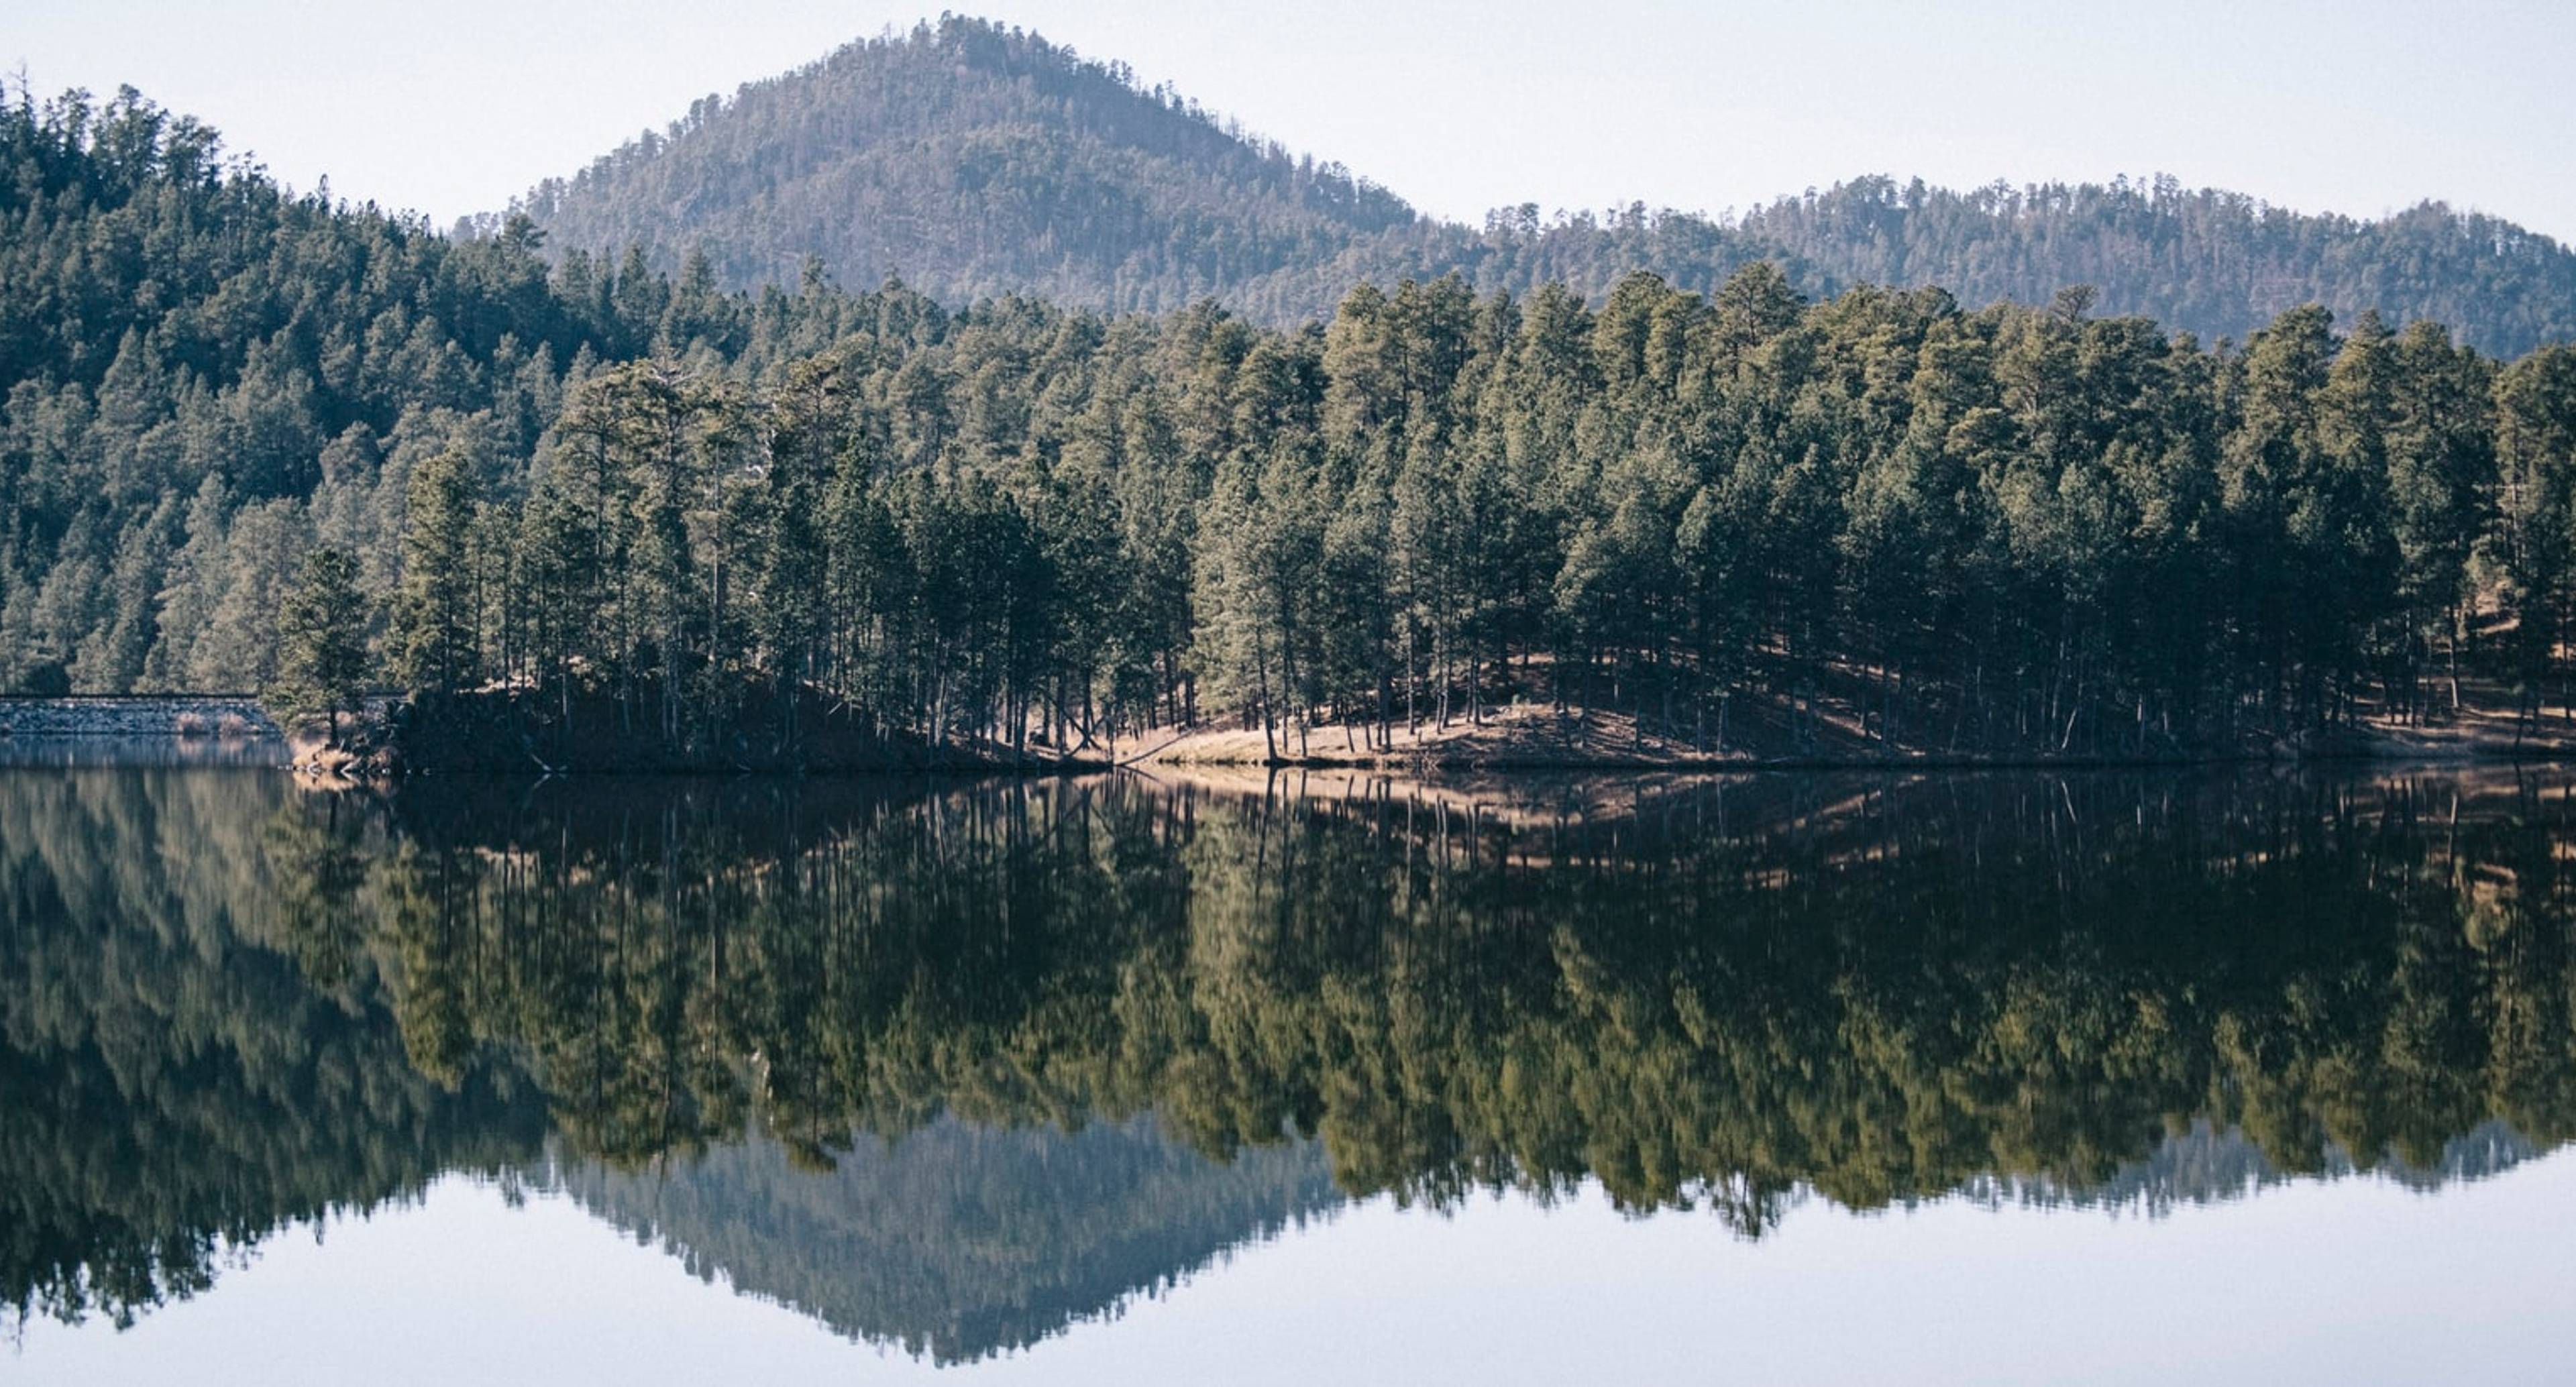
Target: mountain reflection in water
x=951 y=1066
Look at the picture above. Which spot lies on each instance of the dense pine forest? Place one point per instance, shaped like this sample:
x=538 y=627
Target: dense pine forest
x=255 y=441
x=975 y=160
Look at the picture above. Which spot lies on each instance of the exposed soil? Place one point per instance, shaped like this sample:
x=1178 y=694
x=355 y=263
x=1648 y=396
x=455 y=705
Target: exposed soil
x=1537 y=737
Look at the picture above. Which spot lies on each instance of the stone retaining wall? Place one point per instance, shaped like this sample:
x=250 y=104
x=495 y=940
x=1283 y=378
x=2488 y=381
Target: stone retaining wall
x=26 y=718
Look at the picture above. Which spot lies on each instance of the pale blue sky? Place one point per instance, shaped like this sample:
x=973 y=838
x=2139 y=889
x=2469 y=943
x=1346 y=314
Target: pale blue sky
x=2361 y=107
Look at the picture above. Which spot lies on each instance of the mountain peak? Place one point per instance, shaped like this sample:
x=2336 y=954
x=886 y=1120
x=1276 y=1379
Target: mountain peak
x=973 y=159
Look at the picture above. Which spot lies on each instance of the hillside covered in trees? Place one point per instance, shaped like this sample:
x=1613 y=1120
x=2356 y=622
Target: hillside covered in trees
x=595 y=496
x=975 y=160
x=972 y=161
x=204 y=377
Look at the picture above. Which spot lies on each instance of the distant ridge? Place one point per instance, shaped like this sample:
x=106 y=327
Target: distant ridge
x=976 y=160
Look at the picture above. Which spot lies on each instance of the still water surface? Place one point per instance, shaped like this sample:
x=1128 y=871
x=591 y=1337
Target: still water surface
x=1798 y=1078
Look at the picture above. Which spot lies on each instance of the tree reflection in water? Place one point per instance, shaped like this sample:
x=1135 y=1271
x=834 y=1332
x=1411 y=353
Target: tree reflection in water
x=1021 y=1050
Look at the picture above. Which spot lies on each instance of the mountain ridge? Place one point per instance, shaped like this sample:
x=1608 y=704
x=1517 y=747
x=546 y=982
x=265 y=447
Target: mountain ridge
x=973 y=160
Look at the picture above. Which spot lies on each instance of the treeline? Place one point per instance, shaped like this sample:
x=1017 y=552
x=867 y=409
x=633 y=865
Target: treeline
x=978 y=160
x=2215 y=262
x=1745 y=519
x=1729 y=517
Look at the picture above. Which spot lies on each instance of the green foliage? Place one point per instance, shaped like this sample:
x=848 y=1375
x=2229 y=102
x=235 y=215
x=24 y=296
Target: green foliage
x=202 y=377
x=435 y=619
x=321 y=635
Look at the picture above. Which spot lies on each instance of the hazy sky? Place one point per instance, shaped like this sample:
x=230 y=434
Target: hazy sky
x=2363 y=106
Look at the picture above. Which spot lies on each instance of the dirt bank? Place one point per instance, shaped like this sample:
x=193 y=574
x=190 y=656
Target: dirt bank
x=1536 y=737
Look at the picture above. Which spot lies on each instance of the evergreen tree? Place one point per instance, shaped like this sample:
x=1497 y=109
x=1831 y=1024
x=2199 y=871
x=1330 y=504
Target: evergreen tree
x=435 y=624
x=322 y=651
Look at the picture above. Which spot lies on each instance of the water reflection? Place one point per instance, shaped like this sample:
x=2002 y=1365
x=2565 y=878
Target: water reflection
x=951 y=1066
x=954 y=1241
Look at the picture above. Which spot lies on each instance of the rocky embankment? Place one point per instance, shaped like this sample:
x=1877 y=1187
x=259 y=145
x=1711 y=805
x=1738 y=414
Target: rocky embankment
x=181 y=717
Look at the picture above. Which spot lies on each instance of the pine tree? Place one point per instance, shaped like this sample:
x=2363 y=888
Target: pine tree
x=322 y=643
x=434 y=622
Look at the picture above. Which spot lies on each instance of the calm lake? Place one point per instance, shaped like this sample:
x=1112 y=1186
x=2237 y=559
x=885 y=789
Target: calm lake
x=1800 y=1078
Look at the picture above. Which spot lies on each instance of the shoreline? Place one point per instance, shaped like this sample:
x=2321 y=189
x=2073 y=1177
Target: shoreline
x=1531 y=739
x=1521 y=740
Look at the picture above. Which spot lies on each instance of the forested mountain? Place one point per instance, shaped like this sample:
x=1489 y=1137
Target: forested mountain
x=202 y=377
x=974 y=160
